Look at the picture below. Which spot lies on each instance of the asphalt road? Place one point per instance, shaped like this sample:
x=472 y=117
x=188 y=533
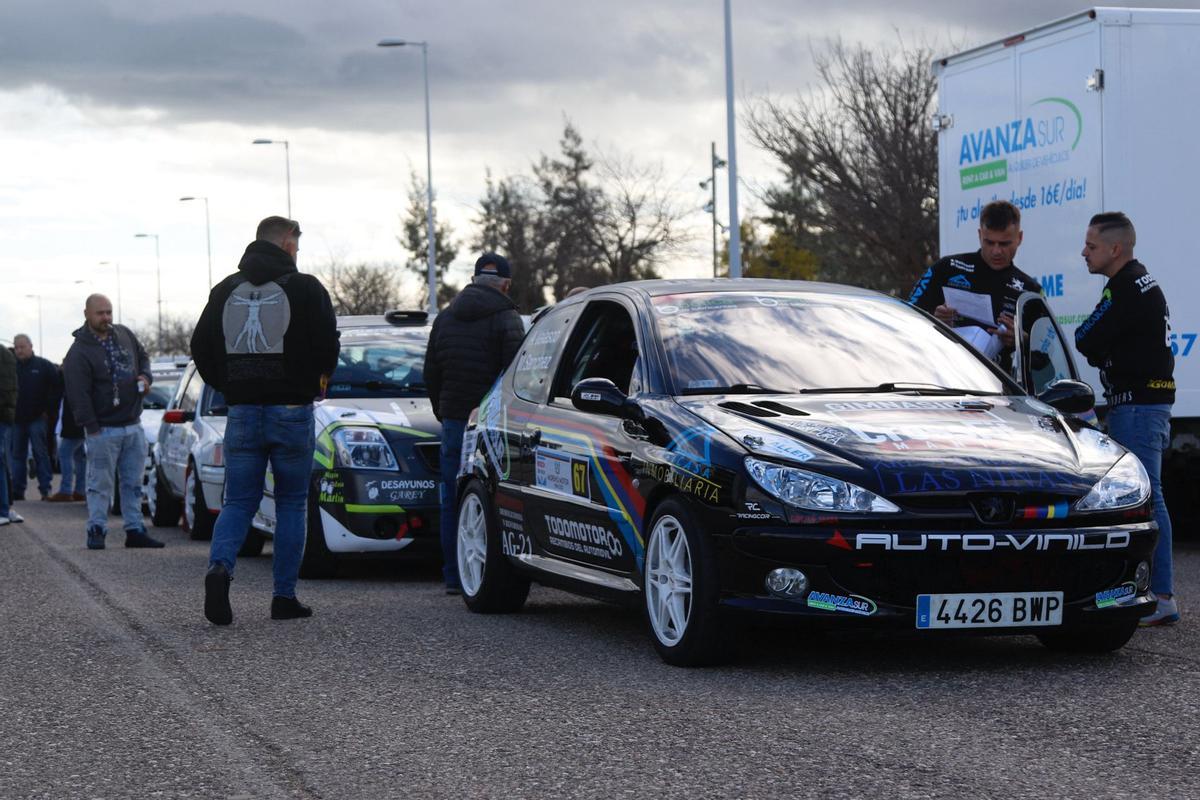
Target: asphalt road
x=113 y=685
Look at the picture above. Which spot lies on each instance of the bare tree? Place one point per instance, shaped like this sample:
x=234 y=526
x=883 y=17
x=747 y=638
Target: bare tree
x=859 y=163
x=637 y=226
x=361 y=288
x=176 y=337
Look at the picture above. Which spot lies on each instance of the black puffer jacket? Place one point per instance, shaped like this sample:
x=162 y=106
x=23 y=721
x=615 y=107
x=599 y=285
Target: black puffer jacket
x=472 y=342
x=268 y=333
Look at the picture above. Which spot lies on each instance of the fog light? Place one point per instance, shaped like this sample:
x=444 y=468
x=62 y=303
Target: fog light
x=787 y=582
x=1142 y=576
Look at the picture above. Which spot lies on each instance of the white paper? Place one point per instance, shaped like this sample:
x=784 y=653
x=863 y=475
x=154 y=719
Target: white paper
x=986 y=343
x=969 y=304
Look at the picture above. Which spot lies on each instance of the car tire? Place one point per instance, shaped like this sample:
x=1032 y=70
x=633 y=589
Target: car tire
x=253 y=544
x=679 y=590
x=198 y=521
x=1090 y=639
x=165 y=508
x=491 y=585
x=318 y=562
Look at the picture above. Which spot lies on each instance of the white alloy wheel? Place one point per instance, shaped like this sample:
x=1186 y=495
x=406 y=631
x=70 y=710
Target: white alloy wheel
x=189 y=499
x=472 y=544
x=669 y=581
x=150 y=491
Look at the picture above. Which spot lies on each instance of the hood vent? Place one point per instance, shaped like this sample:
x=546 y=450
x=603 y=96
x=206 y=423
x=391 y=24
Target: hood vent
x=774 y=405
x=746 y=408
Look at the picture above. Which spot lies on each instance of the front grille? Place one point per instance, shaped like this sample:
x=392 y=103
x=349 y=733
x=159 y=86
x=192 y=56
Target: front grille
x=899 y=579
x=430 y=454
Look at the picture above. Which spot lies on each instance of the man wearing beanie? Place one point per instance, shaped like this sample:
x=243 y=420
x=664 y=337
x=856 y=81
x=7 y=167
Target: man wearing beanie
x=471 y=343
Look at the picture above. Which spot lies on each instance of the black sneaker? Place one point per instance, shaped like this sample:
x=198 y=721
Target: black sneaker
x=139 y=538
x=288 y=608
x=95 y=537
x=216 y=595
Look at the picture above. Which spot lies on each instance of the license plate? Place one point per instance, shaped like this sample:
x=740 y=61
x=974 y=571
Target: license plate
x=995 y=610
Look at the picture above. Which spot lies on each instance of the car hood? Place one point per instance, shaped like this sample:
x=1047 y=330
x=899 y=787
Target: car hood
x=412 y=413
x=897 y=444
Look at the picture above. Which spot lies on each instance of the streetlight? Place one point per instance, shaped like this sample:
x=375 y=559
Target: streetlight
x=158 y=277
x=208 y=231
x=735 y=233
x=117 y=264
x=287 y=163
x=41 y=338
x=711 y=206
x=428 y=167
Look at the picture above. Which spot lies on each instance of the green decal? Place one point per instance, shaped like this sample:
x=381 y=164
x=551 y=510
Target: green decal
x=984 y=174
x=355 y=508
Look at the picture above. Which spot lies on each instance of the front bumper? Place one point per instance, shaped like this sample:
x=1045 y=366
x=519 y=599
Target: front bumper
x=366 y=510
x=890 y=569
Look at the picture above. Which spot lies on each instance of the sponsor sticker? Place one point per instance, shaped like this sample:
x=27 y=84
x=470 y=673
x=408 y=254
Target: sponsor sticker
x=1116 y=596
x=852 y=604
x=583 y=537
x=562 y=474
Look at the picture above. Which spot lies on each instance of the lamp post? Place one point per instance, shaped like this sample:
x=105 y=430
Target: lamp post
x=431 y=250
x=287 y=165
x=711 y=206
x=116 y=264
x=157 y=276
x=41 y=339
x=208 y=231
x=735 y=232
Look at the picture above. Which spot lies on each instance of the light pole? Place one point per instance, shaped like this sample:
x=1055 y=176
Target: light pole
x=157 y=276
x=431 y=249
x=711 y=206
x=116 y=264
x=41 y=339
x=287 y=165
x=208 y=231
x=735 y=232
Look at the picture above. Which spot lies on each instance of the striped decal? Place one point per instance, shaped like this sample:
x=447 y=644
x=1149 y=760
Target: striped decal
x=1056 y=511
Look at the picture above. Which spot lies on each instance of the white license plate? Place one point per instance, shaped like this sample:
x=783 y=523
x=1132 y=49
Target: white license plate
x=995 y=610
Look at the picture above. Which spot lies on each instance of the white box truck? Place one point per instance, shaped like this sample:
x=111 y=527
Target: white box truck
x=1099 y=111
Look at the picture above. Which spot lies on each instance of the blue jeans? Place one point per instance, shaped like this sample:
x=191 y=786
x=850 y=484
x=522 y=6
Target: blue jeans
x=26 y=435
x=1146 y=432
x=255 y=436
x=72 y=459
x=451 y=453
x=121 y=450
x=5 y=500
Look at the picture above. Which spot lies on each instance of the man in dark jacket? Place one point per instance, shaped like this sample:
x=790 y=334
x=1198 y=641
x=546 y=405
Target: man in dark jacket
x=37 y=398
x=471 y=343
x=267 y=339
x=1127 y=336
x=8 y=411
x=107 y=372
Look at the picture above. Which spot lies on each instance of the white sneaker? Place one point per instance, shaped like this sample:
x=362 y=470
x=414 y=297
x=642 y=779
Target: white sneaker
x=13 y=516
x=3 y=521
x=1167 y=613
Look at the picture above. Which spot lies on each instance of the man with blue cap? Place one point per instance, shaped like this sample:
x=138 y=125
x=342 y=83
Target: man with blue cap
x=473 y=340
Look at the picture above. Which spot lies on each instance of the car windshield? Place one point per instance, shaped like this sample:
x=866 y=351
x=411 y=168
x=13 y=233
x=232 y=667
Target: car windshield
x=382 y=366
x=781 y=342
x=161 y=391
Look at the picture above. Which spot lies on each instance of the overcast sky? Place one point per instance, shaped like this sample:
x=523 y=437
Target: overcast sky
x=113 y=109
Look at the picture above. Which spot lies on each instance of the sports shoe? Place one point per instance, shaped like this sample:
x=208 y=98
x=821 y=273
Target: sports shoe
x=95 y=537
x=14 y=517
x=1167 y=613
x=288 y=608
x=139 y=538
x=3 y=521
x=216 y=595
x=59 y=497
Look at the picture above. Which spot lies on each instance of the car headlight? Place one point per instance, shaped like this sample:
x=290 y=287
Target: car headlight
x=362 y=448
x=1126 y=485
x=815 y=492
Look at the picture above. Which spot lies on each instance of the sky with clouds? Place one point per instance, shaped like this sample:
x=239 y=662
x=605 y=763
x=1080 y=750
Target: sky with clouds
x=113 y=109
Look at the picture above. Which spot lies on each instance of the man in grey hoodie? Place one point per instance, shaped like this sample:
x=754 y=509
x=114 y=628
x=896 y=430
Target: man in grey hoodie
x=107 y=372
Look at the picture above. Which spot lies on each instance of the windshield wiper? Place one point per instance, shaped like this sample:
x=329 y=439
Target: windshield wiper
x=900 y=386
x=735 y=388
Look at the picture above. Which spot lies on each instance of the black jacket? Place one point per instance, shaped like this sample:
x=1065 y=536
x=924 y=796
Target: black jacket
x=1126 y=337
x=89 y=382
x=70 y=428
x=38 y=389
x=8 y=386
x=969 y=272
x=471 y=343
x=268 y=333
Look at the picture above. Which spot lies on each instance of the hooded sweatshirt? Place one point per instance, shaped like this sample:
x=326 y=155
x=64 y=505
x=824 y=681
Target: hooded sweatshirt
x=471 y=343
x=268 y=333
x=101 y=396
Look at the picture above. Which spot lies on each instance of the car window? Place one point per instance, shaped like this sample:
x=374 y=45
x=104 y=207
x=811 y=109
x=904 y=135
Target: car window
x=381 y=365
x=191 y=393
x=534 y=362
x=790 y=342
x=604 y=345
x=161 y=391
x=214 y=404
x=1046 y=354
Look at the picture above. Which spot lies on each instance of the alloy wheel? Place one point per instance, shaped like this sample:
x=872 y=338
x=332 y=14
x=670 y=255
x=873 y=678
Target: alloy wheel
x=669 y=581
x=472 y=544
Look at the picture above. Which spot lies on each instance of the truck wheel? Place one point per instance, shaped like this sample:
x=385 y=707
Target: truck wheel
x=1090 y=639
x=318 y=561
x=490 y=583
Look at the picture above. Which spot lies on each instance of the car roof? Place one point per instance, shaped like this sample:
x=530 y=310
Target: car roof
x=661 y=287
x=392 y=319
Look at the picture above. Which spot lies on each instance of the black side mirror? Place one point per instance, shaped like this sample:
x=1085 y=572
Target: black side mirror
x=1069 y=397
x=601 y=396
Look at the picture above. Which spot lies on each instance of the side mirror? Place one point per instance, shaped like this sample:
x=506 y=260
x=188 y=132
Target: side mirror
x=601 y=396
x=175 y=416
x=1069 y=396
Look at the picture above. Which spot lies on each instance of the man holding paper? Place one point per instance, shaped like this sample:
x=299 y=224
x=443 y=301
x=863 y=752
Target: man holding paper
x=980 y=290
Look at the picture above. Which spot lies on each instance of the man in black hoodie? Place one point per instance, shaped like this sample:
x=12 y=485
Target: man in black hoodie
x=267 y=339
x=471 y=343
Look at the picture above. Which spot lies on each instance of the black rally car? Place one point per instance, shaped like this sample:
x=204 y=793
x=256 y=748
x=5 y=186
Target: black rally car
x=804 y=451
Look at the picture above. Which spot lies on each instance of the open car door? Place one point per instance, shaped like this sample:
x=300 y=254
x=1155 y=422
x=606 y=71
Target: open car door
x=1042 y=360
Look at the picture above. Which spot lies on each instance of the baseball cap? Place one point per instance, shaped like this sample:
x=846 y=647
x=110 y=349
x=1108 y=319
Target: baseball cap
x=493 y=264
